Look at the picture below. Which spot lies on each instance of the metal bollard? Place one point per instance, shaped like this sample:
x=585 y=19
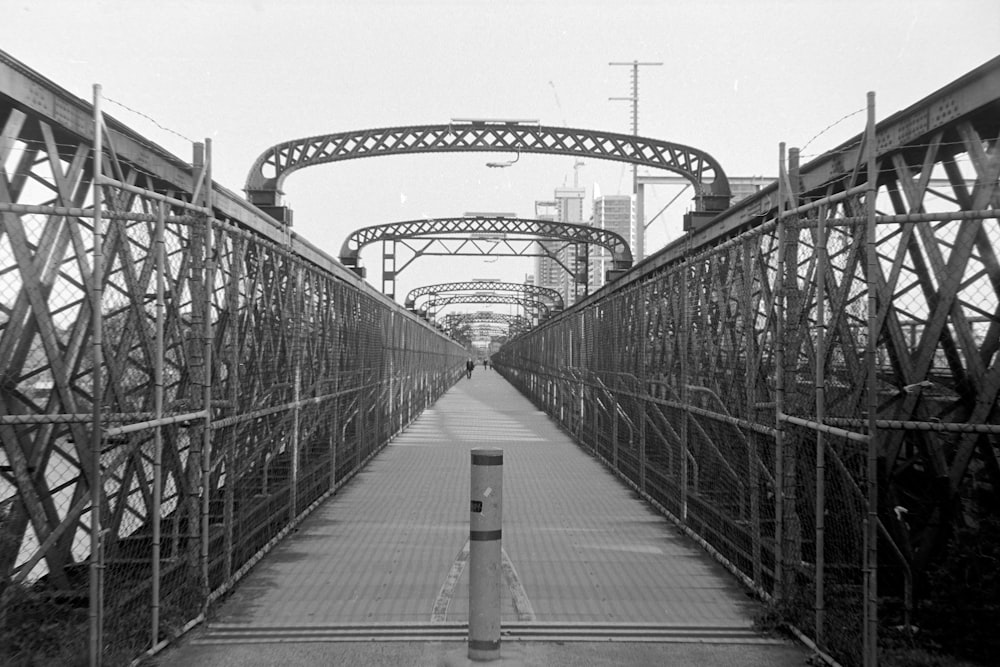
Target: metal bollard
x=485 y=521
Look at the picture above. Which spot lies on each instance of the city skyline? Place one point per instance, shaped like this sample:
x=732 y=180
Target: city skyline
x=737 y=79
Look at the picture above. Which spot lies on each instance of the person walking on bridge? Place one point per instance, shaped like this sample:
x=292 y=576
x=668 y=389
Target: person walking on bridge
x=469 y=365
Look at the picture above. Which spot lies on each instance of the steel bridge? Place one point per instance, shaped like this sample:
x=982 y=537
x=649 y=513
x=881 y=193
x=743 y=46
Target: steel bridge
x=805 y=384
x=269 y=171
x=537 y=308
x=552 y=297
x=484 y=235
x=517 y=323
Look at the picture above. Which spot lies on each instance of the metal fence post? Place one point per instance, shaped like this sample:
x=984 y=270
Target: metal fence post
x=820 y=381
x=871 y=520
x=685 y=344
x=779 y=385
x=158 y=433
x=97 y=281
x=203 y=156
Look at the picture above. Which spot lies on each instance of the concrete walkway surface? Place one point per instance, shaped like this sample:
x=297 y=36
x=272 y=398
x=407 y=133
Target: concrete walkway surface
x=592 y=575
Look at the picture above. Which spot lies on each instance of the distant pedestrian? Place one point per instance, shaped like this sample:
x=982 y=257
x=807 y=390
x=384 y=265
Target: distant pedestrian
x=469 y=366
x=486 y=364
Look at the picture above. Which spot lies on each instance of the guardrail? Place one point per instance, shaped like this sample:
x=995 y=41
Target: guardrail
x=807 y=384
x=214 y=373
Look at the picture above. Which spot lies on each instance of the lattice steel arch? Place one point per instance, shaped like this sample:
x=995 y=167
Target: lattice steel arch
x=554 y=297
x=480 y=235
x=487 y=226
x=539 y=306
x=516 y=324
x=487 y=316
x=269 y=170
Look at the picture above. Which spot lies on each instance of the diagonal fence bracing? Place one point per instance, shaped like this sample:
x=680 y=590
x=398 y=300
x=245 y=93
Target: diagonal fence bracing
x=807 y=384
x=181 y=380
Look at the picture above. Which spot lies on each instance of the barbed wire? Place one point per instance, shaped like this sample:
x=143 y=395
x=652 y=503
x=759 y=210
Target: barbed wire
x=830 y=127
x=149 y=118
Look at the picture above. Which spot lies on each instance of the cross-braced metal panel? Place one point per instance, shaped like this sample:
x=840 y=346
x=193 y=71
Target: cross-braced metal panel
x=814 y=397
x=552 y=297
x=167 y=351
x=264 y=182
x=484 y=236
x=484 y=323
x=537 y=307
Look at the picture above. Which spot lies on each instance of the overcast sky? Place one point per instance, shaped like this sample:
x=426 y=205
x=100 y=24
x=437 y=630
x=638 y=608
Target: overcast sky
x=738 y=77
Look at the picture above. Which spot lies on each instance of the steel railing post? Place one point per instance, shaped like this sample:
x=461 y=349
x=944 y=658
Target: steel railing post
x=96 y=305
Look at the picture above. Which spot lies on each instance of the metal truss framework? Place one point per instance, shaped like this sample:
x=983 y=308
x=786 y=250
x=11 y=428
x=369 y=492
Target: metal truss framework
x=478 y=235
x=452 y=320
x=264 y=182
x=180 y=381
x=538 y=308
x=497 y=324
x=837 y=334
x=552 y=297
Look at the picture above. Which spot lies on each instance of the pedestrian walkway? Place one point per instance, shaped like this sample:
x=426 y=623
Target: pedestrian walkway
x=585 y=560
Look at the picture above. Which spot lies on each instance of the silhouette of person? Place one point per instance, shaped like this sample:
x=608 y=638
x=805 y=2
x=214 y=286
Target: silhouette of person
x=469 y=365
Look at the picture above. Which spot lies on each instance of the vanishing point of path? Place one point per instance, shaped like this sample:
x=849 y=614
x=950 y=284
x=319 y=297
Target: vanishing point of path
x=376 y=576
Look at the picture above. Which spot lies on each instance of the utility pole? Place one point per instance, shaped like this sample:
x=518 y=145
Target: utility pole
x=640 y=226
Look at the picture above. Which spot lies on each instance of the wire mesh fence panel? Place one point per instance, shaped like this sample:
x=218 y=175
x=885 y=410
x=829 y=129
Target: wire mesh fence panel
x=783 y=366
x=237 y=381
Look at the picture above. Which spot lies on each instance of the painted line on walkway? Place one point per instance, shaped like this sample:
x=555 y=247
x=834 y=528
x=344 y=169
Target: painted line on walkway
x=522 y=604
x=440 y=612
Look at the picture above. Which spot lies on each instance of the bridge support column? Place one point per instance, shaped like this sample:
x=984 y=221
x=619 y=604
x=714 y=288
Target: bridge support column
x=485 y=521
x=389 y=269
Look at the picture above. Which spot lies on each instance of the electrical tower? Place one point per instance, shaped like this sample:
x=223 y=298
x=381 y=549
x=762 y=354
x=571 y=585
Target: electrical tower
x=640 y=224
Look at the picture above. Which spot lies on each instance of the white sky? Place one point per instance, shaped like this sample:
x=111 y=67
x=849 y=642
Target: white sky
x=739 y=76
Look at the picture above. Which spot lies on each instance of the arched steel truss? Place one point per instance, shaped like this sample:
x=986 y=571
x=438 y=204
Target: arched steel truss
x=484 y=316
x=491 y=231
x=264 y=182
x=482 y=235
x=515 y=324
x=553 y=296
x=537 y=306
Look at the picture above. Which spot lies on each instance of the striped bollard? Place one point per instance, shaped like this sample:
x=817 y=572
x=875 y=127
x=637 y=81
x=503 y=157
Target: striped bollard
x=485 y=521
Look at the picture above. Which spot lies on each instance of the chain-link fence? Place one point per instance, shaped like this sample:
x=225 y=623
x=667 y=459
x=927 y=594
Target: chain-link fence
x=156 y=444
x=813 y=399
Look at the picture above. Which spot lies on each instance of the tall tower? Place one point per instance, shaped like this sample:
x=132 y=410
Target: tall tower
x=639 y=246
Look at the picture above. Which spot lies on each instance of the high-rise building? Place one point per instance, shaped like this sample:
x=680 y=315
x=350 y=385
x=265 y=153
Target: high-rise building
x=613 y=213
x=547 y=270
x=569 y=203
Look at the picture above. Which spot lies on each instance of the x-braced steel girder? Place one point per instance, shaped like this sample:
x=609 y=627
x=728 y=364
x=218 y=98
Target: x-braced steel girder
x=553 y=296
x=264 y=182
